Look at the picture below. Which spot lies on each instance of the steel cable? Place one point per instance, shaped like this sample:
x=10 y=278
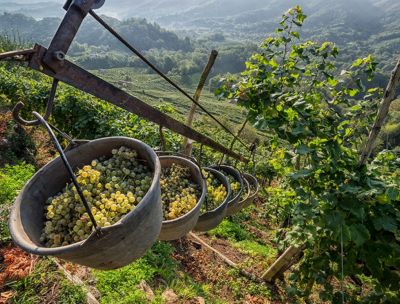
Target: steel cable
x=154 y=68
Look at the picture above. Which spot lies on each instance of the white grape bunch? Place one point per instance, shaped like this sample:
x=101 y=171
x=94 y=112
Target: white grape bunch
x=235 y=185
x=112 y=187
x=216 y=192
x=179 y=194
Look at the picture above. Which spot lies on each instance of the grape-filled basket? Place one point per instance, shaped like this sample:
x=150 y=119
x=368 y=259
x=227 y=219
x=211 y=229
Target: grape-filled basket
x=211 y=216
x=186 y=189
x=112 y=245
x=237 y=185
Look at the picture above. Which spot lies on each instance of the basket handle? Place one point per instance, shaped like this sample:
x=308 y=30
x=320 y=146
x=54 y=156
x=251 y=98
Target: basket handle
x=68 y=167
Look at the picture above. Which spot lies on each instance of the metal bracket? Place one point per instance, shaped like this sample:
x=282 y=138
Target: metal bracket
x=96 y=5
x=62 y=40
x=83 y=80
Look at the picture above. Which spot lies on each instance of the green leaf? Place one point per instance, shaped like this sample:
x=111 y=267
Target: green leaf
x=357 y=63
x=357 y=107
x=301 y=174
x=354 y=206
x=334 y=219
x=297 y=23
x=332 y=81
x=303 y=150
x=386 y=223
x=295 y=34
x=352 y=92
x=360 y=84
x=392 y=193
x=359 y=234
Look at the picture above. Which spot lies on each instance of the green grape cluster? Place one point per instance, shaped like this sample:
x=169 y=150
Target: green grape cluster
x=112 y=187
x=235 y=185
x=216 y=192
x=178 y=194
x=245 y=191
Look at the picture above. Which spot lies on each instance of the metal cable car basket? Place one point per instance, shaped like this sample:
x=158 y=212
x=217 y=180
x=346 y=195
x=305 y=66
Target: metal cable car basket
x=234 y=201
x=108 y=247
x=253 y=190
x=211 y=219
x=179 y=227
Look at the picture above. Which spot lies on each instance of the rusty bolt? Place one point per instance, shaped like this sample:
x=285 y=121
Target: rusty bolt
x=59 y=55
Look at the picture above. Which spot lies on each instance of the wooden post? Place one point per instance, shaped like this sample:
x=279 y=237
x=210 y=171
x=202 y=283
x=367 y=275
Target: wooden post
x=237 y=134
x=90 y=298
x=382 y=113
x=283 y=260
x=187 y=144
x=226 y=259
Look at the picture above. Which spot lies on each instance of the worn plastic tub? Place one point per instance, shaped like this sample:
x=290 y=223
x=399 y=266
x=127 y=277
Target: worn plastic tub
x=179 y=227
x=211 y=219
x=117 y=245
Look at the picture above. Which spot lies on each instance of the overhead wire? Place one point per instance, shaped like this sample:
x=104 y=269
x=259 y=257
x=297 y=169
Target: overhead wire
x=154 y=68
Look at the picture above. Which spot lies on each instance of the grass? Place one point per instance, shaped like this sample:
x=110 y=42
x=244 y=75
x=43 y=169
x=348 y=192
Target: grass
x=12 y=179
x=154 y=90
x=254 y=248
x=240 y=285
x=157 y=268
x=46 y=282
x=230 y=230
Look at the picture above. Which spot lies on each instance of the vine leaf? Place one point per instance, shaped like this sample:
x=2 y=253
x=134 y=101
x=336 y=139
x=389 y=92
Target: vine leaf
x=303 y=150
x=386 y=223
x=301 y=174
x=359 y=234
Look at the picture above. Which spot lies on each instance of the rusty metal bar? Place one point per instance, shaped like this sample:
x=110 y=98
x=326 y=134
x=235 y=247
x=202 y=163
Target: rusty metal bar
x=66 y=33
x=83 y=80
x=165 y=77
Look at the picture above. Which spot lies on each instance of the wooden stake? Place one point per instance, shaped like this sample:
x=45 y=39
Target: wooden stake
x=90 y=298
x=283 y=260
x=187 y=144
x=226 y=259
x=382 y=113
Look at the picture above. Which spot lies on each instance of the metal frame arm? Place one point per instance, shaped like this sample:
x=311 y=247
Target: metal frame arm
x=83 y=80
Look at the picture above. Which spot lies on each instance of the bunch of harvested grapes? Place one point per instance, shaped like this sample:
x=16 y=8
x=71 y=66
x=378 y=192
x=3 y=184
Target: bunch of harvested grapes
x=112 y=188
x=178 y=194
x=235 y=185
x=216 y=192
x=245 y=191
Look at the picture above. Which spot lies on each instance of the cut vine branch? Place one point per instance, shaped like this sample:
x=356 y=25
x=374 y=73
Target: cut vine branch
x=383 y=111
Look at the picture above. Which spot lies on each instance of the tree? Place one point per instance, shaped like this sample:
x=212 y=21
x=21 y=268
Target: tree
x=344 y=214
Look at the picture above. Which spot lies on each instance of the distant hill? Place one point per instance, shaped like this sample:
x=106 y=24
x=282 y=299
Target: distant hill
x=33 y=8
x=142 y=34
x=359 y=27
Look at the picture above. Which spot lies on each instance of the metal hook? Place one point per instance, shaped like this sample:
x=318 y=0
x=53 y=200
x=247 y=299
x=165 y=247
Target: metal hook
x=68 y=167
x=49 y=108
